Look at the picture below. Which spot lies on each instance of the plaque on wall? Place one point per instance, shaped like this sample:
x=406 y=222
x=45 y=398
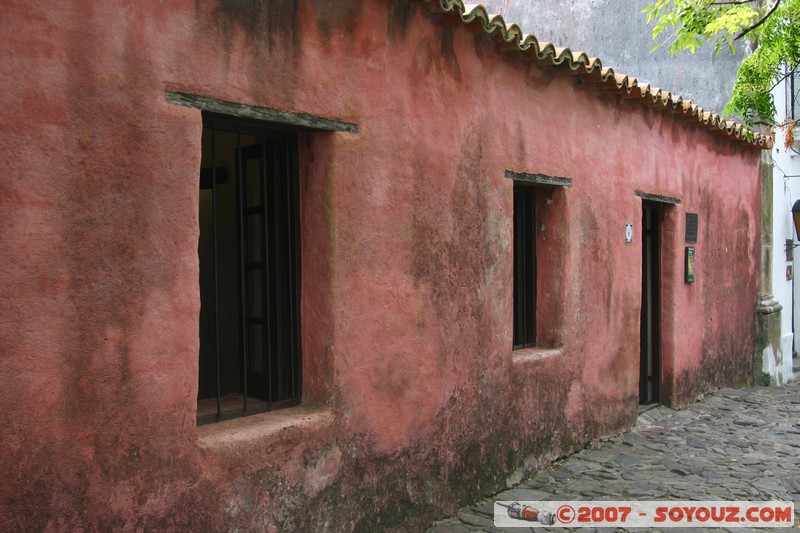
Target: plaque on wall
x=689 y=271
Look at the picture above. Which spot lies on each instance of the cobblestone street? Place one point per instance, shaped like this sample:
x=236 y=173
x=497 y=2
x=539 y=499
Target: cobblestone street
x=732 y=445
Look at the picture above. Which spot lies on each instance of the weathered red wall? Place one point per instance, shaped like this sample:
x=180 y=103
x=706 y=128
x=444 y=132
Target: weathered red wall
x=413 y=401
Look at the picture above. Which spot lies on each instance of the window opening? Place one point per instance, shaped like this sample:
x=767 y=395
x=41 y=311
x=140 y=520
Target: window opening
x=249 y=270
x=524 y=266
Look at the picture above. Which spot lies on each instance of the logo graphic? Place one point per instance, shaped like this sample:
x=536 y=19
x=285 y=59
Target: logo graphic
x=529 y=514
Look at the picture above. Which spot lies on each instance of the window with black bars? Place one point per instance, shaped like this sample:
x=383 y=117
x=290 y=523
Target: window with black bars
x=793 y=94
x=249 y=270
x=524 y=266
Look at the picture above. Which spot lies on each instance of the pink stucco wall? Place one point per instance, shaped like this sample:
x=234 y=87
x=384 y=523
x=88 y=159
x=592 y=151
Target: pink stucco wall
x=413 y=401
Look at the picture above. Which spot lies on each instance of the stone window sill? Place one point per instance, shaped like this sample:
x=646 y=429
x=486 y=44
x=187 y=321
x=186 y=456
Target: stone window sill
x=257 y=436
x=529 y=355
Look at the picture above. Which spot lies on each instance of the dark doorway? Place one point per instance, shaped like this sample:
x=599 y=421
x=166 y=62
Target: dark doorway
x=650 y=356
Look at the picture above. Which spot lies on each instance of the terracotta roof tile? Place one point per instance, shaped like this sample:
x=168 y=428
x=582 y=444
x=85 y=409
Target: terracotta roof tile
x=511 y=37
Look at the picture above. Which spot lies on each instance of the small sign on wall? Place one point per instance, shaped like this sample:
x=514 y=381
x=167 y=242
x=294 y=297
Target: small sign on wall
x=689 y=267
x=628 y=233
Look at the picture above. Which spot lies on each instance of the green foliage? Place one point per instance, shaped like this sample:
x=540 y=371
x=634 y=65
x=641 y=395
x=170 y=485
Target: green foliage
x=690 y=24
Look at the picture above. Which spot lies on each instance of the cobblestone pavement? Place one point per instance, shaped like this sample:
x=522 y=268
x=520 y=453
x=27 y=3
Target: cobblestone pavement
x=732 y=445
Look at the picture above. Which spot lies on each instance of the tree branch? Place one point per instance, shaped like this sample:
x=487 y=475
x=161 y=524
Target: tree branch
x=760 y=21
x=782 y=78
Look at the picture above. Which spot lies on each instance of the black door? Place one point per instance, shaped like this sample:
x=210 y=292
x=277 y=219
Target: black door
x=650 y=358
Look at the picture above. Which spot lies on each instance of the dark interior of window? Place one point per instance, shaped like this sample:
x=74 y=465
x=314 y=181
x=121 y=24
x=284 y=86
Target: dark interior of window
x=249 y=270
x=524 y=266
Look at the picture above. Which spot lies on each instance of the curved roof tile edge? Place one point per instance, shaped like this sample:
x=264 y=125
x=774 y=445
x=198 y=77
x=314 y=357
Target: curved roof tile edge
x=477 y=18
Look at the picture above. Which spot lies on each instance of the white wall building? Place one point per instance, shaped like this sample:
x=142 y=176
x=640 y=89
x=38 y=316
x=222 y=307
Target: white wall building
x=781 y=367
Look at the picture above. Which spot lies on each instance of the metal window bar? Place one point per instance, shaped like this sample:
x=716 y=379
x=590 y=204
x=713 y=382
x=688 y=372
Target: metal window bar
x=265 y=272
x=216 y=267
x=241 y=230
x=793 y=96
x=292 y=193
